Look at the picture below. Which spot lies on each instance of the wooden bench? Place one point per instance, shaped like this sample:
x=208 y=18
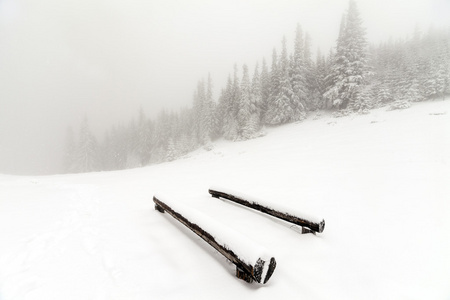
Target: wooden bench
x=308 y=225
x=251 y=260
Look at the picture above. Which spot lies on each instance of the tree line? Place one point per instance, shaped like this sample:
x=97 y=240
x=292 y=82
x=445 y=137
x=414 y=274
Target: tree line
x=352 y=78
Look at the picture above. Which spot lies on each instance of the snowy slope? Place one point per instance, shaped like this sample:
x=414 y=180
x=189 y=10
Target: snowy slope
x=381 y=182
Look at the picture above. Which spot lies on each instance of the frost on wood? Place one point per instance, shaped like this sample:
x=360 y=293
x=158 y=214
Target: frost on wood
x=314 y=224
x=251 y=260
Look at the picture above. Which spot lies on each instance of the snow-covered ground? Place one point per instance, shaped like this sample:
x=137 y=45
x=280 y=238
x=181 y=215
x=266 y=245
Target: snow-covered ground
x=381 y=182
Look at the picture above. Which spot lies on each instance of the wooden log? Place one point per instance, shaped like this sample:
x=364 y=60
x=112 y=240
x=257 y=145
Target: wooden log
x=314 y=226
x=260 y=271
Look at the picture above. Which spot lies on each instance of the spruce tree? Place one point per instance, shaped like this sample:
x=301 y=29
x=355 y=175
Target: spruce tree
x=144 y=142
x=230 y=126
x=299 y=85
x=255 y=102
x=107 y=153
x=337 y=70
x=202 y=112
x=207 y=113
x=281 y=107
x=265 y=91
x=70 y=151
x=320 y=73
x=171 y=153
x=119 y=147
x=244 y=105
x=87 y=149
x=274 y=89
x=350 y=68
x=312 y=89
x=219 y=113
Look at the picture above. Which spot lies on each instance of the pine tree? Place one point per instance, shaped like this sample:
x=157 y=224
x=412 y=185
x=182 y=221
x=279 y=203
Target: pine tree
x=299 y=85
x=273 y=90
x=171 y=153
x=143 y=142
x=118 y=148
x=265 y=91
x=131 y=142
x=70 y=151
x=383 y=95
x=281 y=107
x=362 y=102
x=219 y=113
x=320 y=73
x=236 y=93
x=106 y=159
x=336 y=75
x=162 y=136
x=230 y=125
x=87 y=149
x=234 y=96
x=243 y=115
x=255 y=102
x=350 y=68
x=436 y=80
x=312 y=90
x=201 y=113
x=208 y=111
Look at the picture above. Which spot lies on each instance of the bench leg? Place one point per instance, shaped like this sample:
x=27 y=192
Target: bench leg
x=159 y=208
x=243 y=275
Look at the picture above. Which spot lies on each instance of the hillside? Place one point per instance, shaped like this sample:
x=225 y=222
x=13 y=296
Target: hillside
x=381 y=181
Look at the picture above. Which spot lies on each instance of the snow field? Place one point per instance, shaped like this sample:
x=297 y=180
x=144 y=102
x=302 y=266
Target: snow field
x=381 y=181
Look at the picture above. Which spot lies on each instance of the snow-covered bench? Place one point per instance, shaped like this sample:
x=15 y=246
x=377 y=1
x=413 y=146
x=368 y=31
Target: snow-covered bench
x=313 y=224
x=253 y=263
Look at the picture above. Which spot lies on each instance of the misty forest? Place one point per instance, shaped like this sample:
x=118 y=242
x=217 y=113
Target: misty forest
x=352 y=78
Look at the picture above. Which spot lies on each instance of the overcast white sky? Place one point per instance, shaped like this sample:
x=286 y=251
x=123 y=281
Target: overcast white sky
x=61 y=60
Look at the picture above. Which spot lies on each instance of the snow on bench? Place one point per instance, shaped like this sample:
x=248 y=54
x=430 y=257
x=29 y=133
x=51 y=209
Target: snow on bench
x=311 y=223
x=253 y=263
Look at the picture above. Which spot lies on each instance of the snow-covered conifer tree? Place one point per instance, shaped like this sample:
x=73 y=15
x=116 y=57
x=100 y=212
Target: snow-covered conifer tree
x=118 y=148
x=265 y=91
x=320 y=73
x=162 y=136
x=383 y=94
x=350 y=68
x=143 y=142
x=236 y=93
x=299 y=85
x=274 y=89
x=208 y=119
x=171 y=153
x=200 y=112
x=280 y=107
x=243 y=115
x=312 y=90
x=255 y=101
x=230 y=125
x=87 y=149
x=70 y=151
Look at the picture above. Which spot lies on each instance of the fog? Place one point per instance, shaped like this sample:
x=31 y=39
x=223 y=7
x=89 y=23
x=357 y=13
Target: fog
x=63 y=60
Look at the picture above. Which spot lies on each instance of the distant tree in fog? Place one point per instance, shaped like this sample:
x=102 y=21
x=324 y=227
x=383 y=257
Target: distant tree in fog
x=70 y=151
x=298 y=76
x=243 y=116
x=144 y=141
x=265 y=91
x=254 y=123
x=86 y=154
